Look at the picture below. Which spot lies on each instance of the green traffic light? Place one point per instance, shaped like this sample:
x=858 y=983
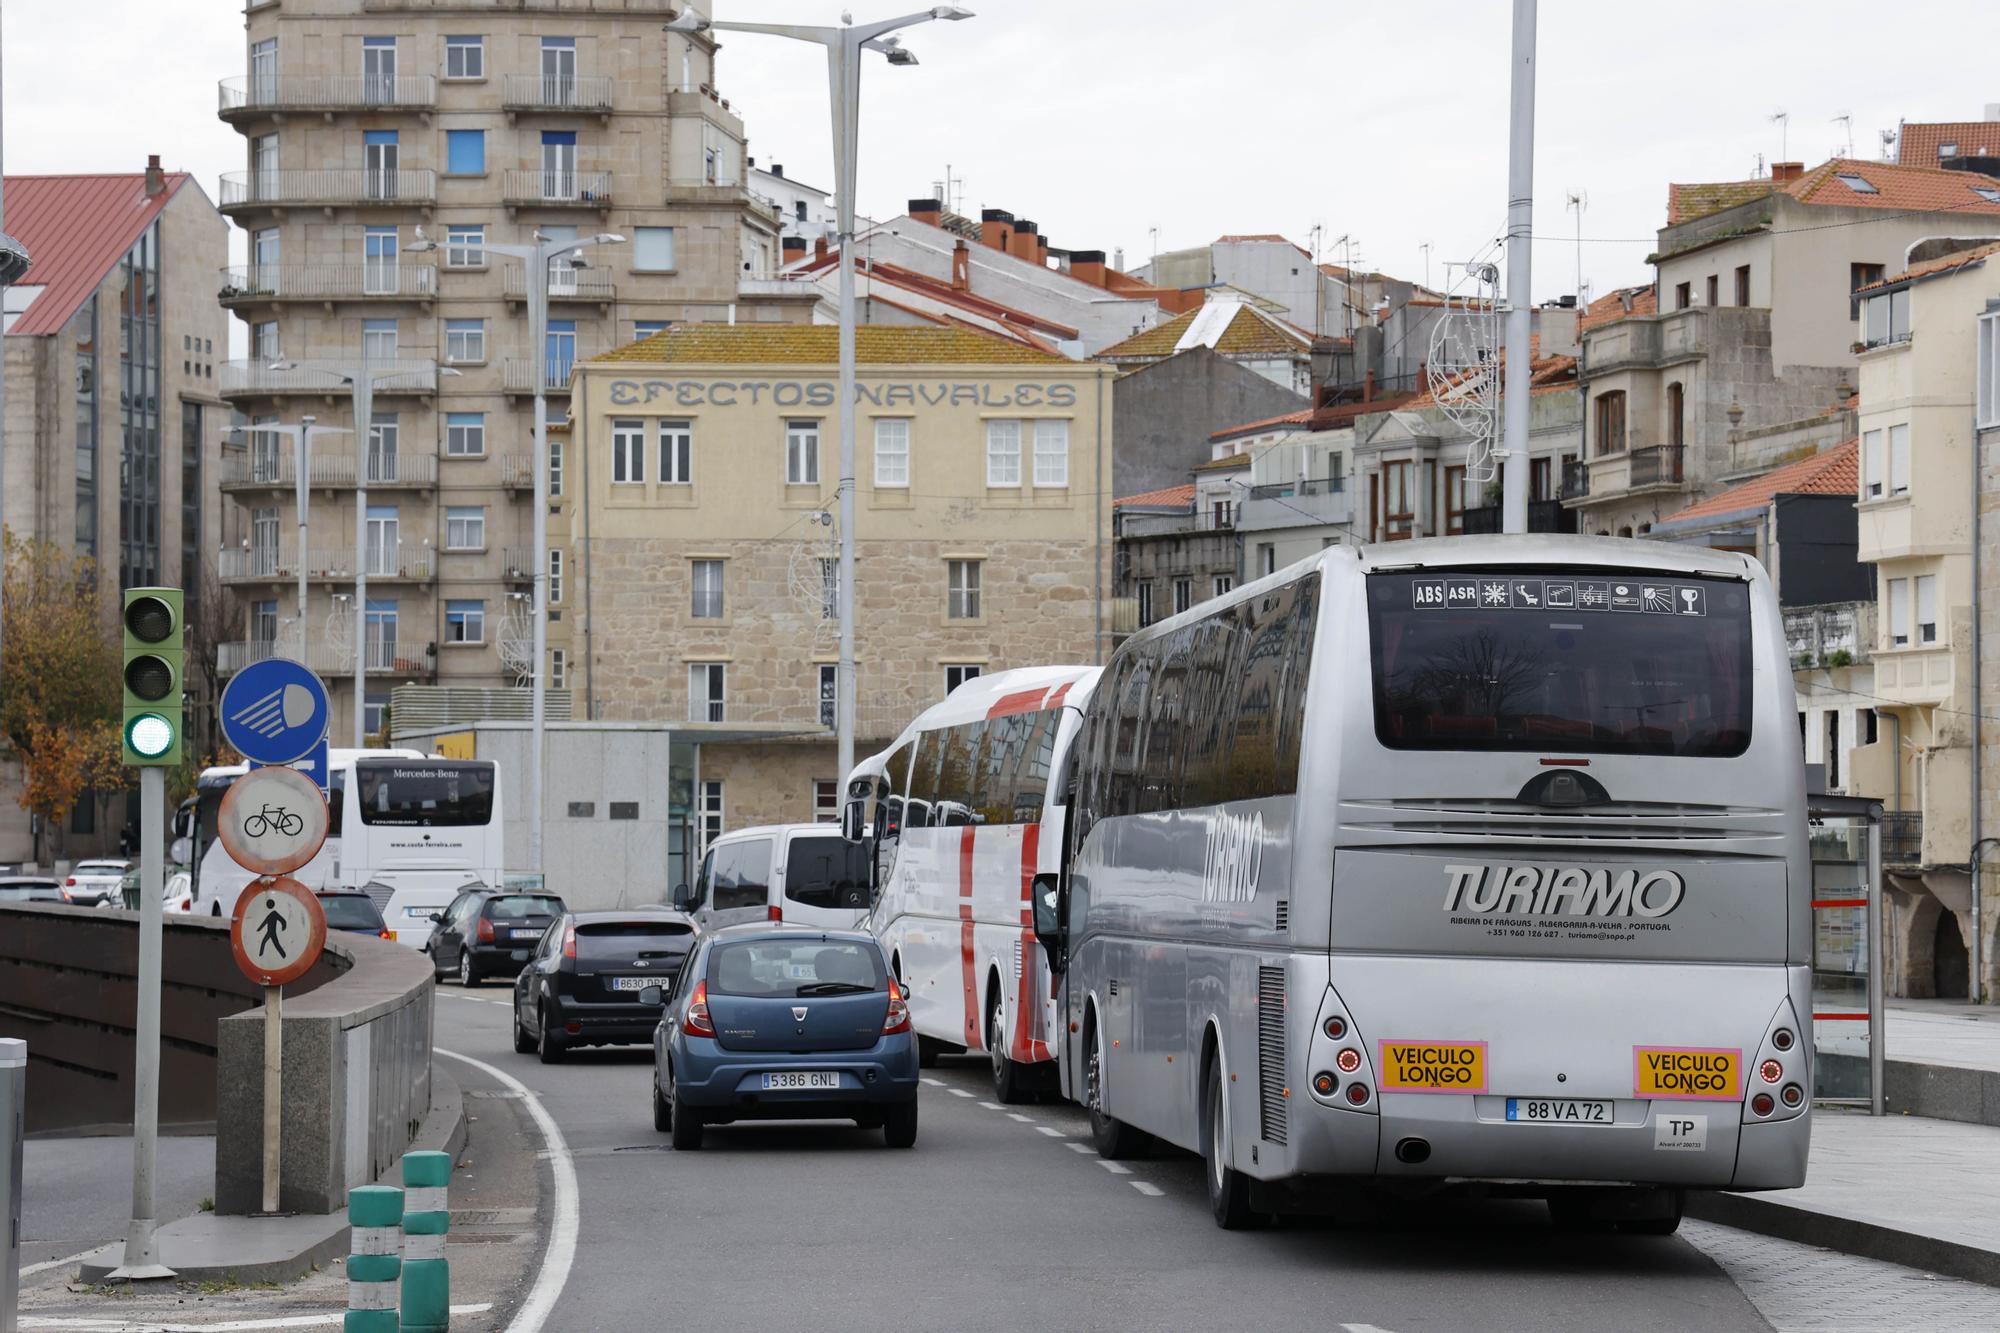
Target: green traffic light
x=149 y=735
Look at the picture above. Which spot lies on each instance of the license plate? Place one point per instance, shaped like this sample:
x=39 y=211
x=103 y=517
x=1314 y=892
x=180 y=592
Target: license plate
x=527 y=934
x=633 y=983
x=1559 y=1110
x=812 y=1078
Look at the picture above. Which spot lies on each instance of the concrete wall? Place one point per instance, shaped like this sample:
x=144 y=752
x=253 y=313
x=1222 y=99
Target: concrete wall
x=1165 y=413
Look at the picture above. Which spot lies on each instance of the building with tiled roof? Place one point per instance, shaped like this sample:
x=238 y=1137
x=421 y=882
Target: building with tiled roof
x=819 y=344
x=1936 y=143
x=1279 y=351
x=114 y=423
x=1166 y=497
x=1834 y=472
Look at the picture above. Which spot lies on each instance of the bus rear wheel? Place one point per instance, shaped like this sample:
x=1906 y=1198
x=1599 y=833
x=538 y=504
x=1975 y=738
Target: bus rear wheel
x=1228 y=1189
x=1010 y=1080
x=1113 y=1138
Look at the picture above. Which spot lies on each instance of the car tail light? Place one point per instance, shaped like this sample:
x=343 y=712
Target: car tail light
x=1782 y=1039
x=1357 y=1093
x=485 y=931
x=389 y=935
x=569 y=942
x=898 y=1017
x=697 y=1022
x=70 y=883
x=776 y=913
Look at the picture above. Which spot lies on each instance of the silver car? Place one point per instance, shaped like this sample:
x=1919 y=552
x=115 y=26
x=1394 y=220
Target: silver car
x=94 y=883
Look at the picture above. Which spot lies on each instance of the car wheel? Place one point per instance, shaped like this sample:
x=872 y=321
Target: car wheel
x=663 y=1110
x=549 y=1046
x=1111 y=1137
x=1010 y=1080
x=1228 y=1189
x=686 y=1130
x=899 y=1125
x=524 y=1040
x=468 y=975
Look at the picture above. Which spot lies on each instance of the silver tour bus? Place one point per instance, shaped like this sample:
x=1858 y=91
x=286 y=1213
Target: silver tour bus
x=1443 y=862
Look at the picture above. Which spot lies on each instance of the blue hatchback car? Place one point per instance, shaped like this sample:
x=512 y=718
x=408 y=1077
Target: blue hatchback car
x=773 y=1022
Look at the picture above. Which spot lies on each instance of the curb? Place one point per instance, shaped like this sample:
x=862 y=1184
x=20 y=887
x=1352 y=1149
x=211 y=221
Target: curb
x=1846 y=1233
x=316 y=1242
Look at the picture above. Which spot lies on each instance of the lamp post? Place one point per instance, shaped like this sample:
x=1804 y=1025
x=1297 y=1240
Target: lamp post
x=843 y=62
x=536 y=259
x=301 y=436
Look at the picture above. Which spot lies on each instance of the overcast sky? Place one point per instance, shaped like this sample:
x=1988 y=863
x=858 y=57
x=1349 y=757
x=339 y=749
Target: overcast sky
x=1104 y=119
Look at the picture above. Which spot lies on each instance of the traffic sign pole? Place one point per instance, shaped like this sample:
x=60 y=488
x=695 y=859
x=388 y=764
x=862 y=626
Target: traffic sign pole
x=142 y=1248
x=274 y=1083
x=276 y=934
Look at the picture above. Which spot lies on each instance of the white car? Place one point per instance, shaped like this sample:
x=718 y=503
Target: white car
x=94 y=883
x=177 y=894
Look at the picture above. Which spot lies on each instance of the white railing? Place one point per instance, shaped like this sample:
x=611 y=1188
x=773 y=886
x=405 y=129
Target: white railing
x=329 y=185
x=315 y=282
x=588 y=92
x=322 y=656
x=519 y=376
x=530 y=186
x=517 y=469
x=565 y=283
x=326 y=92
x=258 y=377
x=328 y=469
x=408 y=561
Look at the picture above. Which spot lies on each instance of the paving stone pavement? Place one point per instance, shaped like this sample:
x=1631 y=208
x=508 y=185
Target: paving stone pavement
x=1804 y=1289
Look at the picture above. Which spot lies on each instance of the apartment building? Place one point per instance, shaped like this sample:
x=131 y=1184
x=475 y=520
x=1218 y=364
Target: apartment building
x=388 y=144
x=701 y=553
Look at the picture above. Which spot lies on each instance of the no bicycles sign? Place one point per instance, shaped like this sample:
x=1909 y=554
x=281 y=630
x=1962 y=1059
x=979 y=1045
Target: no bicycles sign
x=272 y=821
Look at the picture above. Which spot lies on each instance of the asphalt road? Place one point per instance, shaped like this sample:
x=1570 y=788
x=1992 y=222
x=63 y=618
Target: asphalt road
x=1002 y=1218
x=76 y=1194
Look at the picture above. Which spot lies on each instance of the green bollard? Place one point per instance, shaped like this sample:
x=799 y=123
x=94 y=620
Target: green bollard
x=426 y=1272
x=374 y=1259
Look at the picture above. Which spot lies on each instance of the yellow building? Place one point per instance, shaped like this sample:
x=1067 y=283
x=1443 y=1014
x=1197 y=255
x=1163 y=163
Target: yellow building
x=698 y=539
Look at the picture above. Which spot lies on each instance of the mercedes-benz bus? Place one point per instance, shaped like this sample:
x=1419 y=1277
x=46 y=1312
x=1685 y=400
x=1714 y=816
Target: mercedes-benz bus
x=960 y=825
x=1452 y=861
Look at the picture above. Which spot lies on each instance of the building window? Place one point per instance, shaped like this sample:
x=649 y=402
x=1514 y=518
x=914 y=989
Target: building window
x=264 y=345
x=264 y=622
x=464 y=434
x=1610 y=423
x=375 y=714
x=708 y=589
x=465 y=528
x=1885 y=319
x=646 y=328
x=957 y=673
x=962 y=589
x=829 y=694
x=628 y=451
x=465 y=57
x=1927 y=608
x=709 y=812
x=558 y=668
x=1714 y=290
x=1987 y=391
x=555 y=467
x=1267 y=559
x=1454 y=501
x=1183 y=595
x=465 y=340
x=706 y=686
x=1899 y=460
x=1872 y=471
x=464 y=247
x=1052 y=453
x=555 y=576
x=1221 y=513
x=378 y=339
x=465 y=622
x=676 y=453
x=1676 y=415
x=1145 y=591
x=465 y=152
x=1224 y=583
x=653 y=249
x=1541 y=480
x=1398 y=502
x=826 y=801
x=1899 y=613
x=892 y=453
x=380 y=639
x=1743 y=284
x=1683 y=295
x=1003 y=453
x=802 y=453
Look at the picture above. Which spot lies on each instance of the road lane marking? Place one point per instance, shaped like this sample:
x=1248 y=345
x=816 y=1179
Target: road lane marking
x=1078 y=1147
x=934 y=1082
x=958 y=1092
x=88 y=1325
x=1016 y=1115
x=1149 y=1190
x=561 y=1252
x=993 y=1106
x=1114 y=1168
x=1052 y=1133
x=47 y=1264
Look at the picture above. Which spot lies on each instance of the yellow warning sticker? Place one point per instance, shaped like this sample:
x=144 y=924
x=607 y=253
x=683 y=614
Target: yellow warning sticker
x=1700 y=1073
x=1433 y=1066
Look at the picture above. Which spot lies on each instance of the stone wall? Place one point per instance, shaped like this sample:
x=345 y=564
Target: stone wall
x=1165 y=412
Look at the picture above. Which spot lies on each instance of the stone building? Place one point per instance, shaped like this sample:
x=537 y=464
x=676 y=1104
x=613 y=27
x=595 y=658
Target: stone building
x=699 y=544
x=365 y=121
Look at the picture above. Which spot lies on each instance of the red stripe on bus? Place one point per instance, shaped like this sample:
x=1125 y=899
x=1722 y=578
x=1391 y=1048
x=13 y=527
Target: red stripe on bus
x=1027 y=1011
x=1025 y=701
x=1840 y=902
x=965 y=939
x=1062 y=690
x=1859 y=1018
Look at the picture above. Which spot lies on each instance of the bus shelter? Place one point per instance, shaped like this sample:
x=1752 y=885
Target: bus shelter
x=1846 y=846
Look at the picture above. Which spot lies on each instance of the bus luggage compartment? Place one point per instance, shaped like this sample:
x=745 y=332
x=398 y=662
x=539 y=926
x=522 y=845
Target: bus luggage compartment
x=1510 y=1069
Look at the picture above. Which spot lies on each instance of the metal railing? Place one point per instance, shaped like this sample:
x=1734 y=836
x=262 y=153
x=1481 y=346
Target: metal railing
x=1290 y=490
x=1902 y=838
x=1159 y=525
x=328 y=186
x=565 y=283
x=1657 y=466
x=535 y=92
x=519 y=376
x=319 y=282
x=396 y=469
x=326 y=92
x=585 y=189
x=518 y=469
x=251 y=376
x=1575 y=480
x=517 y=564
x=406 y=561
x=321 y=654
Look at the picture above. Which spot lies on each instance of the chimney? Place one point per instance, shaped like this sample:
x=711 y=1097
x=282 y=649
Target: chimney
x=961 y=267
x=927 y=210
x=1783 y=173
x=1087 y=266
x=1042 y=251
x=156 y=180
x=1993 y=111
x=996 y=228
x=1368 y=387
x=795 y=248
x=1022 y=246
x=819 y=249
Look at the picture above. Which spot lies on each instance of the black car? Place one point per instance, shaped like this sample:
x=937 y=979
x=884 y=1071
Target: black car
x=490 y=934
x=582 y=987
x=355 y=913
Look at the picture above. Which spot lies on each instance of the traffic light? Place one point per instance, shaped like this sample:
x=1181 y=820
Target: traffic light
x=154 y=656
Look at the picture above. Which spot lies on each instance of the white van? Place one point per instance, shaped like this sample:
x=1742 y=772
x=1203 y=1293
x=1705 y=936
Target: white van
x=802 y=874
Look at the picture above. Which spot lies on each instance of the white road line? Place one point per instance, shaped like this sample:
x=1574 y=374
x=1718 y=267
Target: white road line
x=561 y=1251
x=47 y=1264
x=1052 y=1133
x=1016 y=1115
x=86 y=1325
x=1114 y=1168
x=1149 y=1190
x=934 y=1082
x=993 y=1106
x=1077 y=1147
x=958 y=1092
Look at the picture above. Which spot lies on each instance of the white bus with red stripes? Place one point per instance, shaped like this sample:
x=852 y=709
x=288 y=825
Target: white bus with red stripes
x=958 y=816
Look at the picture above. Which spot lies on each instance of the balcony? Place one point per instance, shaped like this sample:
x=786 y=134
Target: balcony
x=1902 y=838
x=518 y=377
x=556 y=189
x=565 y=283
x=249 y=284
x=402 y=563
x=655 y=8
x=1915 y=676
x=286 y=94
x=533 y=92
x=332 y=471
x=328 y=187
x=1658 y=466
x=1622 y=475
x=258 y=379
x=517 y=564
x=517 y=471
x=1138 y=524
x=321 y=655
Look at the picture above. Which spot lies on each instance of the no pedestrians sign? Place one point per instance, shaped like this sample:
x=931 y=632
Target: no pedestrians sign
x=277 y=931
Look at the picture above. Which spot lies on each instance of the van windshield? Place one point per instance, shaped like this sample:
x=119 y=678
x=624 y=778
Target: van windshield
x=1583 y=661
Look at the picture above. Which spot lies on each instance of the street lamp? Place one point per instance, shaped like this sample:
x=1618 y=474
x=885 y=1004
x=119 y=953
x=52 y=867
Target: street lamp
x=536 y=259
x=843 y=63
x=301 y=436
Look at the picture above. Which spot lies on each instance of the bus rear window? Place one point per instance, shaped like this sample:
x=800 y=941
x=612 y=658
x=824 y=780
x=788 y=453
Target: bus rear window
x=1589 y=661
x=424 y=794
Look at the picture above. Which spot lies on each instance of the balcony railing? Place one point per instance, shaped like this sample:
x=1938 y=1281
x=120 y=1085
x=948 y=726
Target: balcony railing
x=1291 y=490
x=577 y=189
x=564 y=284
x=1902 y=838
x=519 y=376
x=254 y=378
x=1657 y=466
x=282 y=470
x=517 y=564
x=1161 y=525
x=321 y=92
x=321 y=655
x=1576 y=480
x=405 y=561
x=534 y=92
x=327 y=282
x=318 y=187
x=517 y=470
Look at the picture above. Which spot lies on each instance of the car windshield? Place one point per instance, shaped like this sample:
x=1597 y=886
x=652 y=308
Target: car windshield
x=774 y=968
x=624 y=941
x=356 y=913
x=519 y=906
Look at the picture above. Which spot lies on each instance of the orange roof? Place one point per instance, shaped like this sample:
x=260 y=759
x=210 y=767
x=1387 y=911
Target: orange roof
x=1943 y=264
x=75 y=230
x=1251 y=332
x=1298 y=418
x=1623 y=303
x=1834 y=472
x=1904 y=188
x=1920 y=145
x=1544 y=373
x=1166 y=495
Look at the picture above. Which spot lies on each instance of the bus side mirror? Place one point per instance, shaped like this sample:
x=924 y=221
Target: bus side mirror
x=1047 y=895
x=852 y=822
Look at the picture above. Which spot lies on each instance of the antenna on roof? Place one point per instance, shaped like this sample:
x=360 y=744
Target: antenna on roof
x=1783 y=120
x=1846 y=121
x=1580 y=201
x=1888 y=142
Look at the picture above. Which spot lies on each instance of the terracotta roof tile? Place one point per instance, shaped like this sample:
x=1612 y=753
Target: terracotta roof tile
x=1918 y=145
x=1943 y=264
x=1834 y=472
x=1298 y=418
x=1898 y=186
x=1624 y=303
x=1250 y=333
x=1166 y=495
x=819 y=345
x=75 y=229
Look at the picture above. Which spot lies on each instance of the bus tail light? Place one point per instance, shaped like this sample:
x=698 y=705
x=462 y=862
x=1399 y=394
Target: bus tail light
x=569 y=942
x=1336 y=1027
x=1770 y=1071
x=1324 y=1083
x=485 y=931
x=1793 y=1094
x=1782 y=1039
x=1349 y=1060
x=697 y=1022
x=1762 y=1104
x=898 y=1017
x=1357 y=1094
